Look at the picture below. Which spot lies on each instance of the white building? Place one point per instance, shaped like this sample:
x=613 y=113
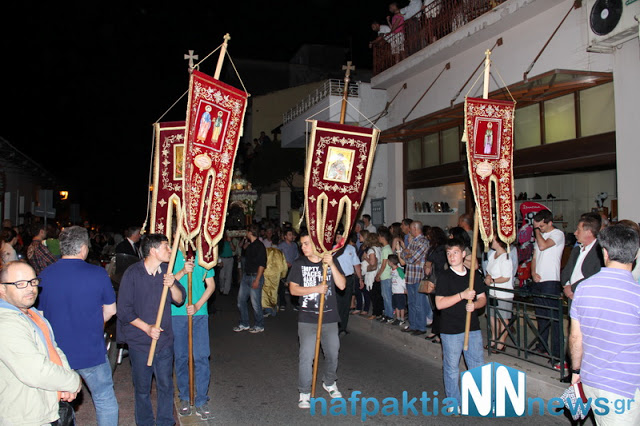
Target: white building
x=576 y=123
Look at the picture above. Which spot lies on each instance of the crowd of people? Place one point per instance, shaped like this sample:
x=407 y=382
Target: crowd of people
x=406 y=275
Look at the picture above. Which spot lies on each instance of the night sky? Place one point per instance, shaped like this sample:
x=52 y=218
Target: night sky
x=82 y=82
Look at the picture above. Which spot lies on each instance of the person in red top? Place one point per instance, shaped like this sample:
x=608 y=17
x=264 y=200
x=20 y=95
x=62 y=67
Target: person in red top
x=396 y=39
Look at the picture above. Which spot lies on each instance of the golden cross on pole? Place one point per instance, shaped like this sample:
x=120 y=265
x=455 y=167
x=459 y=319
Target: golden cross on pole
x=345 y=93
x=223 y=52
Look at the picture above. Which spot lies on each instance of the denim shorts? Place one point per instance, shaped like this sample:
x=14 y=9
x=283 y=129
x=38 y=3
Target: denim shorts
x=399 y=301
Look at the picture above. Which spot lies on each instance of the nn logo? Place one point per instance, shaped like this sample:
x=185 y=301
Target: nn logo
x=493 y=390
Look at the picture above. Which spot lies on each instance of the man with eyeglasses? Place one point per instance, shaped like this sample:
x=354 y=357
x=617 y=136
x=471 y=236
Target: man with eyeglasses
x=78 y=298
x=34 y=372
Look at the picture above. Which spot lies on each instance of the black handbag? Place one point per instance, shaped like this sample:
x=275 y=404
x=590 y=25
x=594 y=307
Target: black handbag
x=67 y=415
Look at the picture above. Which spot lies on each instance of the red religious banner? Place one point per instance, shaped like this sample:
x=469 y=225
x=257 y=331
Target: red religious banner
x=338 y=169
x=168 y=173
x=215 y=114
x=489 y=126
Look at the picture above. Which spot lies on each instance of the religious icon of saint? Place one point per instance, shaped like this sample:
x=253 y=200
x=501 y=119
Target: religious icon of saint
x=488 y=138
x=205 y=124
x=178 y=162
x=217 y=128
x=338 y=168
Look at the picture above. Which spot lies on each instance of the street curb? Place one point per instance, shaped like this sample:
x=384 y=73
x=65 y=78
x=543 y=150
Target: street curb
x=541 y=382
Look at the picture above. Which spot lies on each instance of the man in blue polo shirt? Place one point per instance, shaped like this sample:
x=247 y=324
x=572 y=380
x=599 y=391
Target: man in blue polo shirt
x=77 y=298
x=138 y=300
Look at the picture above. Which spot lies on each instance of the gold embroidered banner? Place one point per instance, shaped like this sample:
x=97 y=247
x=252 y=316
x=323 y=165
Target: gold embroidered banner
x=489 y=126
x=215 y=115
x=168 y=174
x=337 y=172
x=168 y=177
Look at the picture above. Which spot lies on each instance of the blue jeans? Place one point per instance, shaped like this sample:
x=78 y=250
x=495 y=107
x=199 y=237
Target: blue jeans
x=162 y=368
x=452 y=348
x=99 y=380
x=255 y=294
x=387 y=295
x=419 y=308
x=201 y=354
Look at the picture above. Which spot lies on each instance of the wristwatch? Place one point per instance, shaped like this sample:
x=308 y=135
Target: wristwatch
x=577 y=371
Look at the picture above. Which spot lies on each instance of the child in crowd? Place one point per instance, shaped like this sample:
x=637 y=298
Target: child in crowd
x=454 y=299
x=399 y=289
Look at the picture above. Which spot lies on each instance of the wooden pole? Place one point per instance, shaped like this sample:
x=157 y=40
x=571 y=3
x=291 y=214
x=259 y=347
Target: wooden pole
x=192 y=382
x=165 y=290
x=474 y=242
x=325 y=267
x=472 y=275
x=343 y=112
x=223 y=52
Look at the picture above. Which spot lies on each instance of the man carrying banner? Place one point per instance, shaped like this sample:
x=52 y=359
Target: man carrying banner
x=203 y=287
x=138 y=299
x=305 y=280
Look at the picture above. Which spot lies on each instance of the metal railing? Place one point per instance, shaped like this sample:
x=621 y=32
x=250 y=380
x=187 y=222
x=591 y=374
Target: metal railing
x=438 y=19
x=531 y=315
x=332 y=87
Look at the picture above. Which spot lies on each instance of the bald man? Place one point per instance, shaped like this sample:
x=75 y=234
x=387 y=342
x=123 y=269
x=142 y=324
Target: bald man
x=34 y=372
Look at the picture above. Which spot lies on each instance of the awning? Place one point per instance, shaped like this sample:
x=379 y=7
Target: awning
x=549 y=85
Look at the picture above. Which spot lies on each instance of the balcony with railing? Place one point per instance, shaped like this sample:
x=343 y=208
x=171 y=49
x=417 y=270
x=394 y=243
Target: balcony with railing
x=329 y=88
x=439 y=19
x=324 y=103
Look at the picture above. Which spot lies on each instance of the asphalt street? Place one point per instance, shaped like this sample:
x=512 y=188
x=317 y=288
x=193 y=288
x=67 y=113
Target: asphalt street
x=254 y=378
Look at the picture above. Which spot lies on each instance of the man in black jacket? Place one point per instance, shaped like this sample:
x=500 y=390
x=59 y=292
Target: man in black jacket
x=130 y=245
x=586 y=258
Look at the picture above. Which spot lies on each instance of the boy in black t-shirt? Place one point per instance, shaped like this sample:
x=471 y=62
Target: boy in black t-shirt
x=452 y=295
x=305 y=280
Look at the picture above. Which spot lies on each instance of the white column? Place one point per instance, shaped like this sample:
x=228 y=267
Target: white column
x=394 y=206
x=626 y=84
x=285 y=203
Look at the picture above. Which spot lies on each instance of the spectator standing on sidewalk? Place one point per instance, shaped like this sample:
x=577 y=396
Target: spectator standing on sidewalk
x=38 y=254
x=34 y=372
x=604 y=340
x=350 y=265
x=384 y=274
x=414 y=257
x=78 y=298
x=547 y=255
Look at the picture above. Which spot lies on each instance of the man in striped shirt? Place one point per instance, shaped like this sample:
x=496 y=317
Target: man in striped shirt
x=605 y=330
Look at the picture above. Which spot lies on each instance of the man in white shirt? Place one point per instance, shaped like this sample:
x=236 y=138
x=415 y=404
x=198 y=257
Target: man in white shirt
x=367 y=223
x=411 y=9
x=545 y=267
x=350 y=264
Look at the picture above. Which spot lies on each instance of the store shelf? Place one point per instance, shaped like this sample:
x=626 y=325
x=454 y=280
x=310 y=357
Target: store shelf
x=542 y=200
x=454 y=212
